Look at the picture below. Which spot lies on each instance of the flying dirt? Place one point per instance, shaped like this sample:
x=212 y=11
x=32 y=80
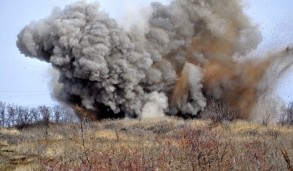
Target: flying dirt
x=189 y=52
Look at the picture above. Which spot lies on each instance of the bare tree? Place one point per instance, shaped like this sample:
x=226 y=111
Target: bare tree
x=35 y=114
x=12 y=114
x=23 y=115
x=45 y=112
x=2 y=114
x=286 y=118
x=57 y=111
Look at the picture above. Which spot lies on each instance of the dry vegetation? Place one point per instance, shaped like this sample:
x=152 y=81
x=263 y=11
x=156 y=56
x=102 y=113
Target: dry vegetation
x=157 y=144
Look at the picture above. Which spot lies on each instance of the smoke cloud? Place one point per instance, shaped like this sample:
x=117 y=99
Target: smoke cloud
x=187 y=53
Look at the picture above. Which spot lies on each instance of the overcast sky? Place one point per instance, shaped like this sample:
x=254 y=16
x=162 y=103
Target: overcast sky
x=25 y=81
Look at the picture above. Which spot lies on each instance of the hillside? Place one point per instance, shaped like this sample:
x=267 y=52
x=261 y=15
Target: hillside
x=155 y=144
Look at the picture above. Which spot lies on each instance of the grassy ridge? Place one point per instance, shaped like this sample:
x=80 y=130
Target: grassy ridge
x=155 y=144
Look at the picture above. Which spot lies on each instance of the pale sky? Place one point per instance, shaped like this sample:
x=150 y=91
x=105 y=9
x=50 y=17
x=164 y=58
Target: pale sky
x=25 y=81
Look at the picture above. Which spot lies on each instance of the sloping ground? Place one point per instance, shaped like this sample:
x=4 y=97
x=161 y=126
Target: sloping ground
x=10 y=158
x=156 y=144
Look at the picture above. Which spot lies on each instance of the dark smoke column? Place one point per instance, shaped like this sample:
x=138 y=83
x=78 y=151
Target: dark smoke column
x=109 y=71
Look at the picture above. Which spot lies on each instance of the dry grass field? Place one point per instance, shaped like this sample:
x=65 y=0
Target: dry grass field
x=155 y=144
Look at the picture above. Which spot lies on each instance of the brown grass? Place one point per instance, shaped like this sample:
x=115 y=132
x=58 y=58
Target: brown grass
x=156 y=144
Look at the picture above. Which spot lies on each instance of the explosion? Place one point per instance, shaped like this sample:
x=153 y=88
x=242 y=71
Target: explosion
x=190 y=51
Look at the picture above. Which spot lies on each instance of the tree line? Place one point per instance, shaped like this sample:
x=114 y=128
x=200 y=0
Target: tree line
x=15 y=115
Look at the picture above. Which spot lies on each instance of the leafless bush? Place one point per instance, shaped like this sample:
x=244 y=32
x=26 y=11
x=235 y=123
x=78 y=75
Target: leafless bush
x=188 y=146
x=219 y=112
x=267 y=119
x=287 y=117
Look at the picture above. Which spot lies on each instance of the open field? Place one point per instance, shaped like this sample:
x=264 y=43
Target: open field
x=155 y=144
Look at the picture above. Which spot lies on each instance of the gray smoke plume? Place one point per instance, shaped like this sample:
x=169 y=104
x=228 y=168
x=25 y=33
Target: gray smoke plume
x=185 y=54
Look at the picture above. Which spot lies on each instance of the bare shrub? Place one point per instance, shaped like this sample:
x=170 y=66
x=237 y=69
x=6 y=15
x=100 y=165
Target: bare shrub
x=287 y=159
x=267 y=119
x=287 y=117
x=219 y=112
x=190 y=146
